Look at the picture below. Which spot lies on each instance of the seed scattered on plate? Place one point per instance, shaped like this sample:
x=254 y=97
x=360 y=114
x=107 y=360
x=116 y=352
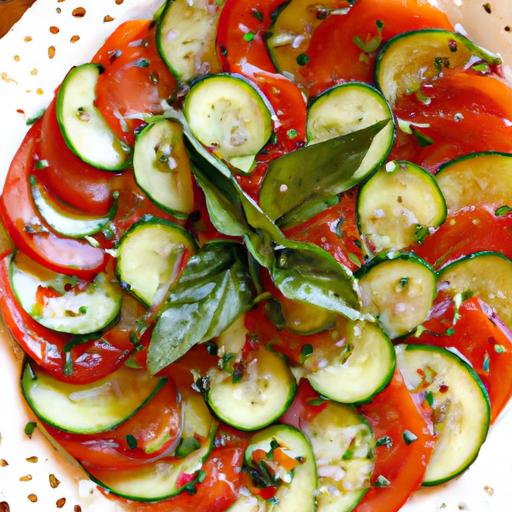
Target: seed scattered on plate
x=25 y=478
x=34 y=72
x=60 y=502
x=77 y=508
x=54 y=481
x=119 y=2
x=32 y=460
x=32 y=498
x=17 y=58
x=3 y=463
x=489 y=490
x=40 y=91
x=107 y=18
x=54 y=29
x=51 y=52
x=74 y=39
x=4 y=507
x=79 y=12
x=27 y=39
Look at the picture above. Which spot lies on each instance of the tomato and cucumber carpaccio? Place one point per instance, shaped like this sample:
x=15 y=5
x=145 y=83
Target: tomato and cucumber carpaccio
x=257 y=255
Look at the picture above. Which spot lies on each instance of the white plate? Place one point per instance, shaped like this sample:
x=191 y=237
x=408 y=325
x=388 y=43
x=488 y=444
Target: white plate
x=28 y=78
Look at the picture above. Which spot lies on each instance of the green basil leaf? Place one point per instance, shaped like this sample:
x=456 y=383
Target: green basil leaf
x=306 y=273
x=206 y=300
x=306 y=211
x=319 y=170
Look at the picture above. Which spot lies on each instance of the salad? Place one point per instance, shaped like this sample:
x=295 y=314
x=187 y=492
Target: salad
x=260 y=256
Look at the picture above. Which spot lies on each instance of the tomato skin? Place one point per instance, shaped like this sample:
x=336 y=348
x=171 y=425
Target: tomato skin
x=475 y=335
x=325 y=67
x=65 y=255
x=466 y=232
x=135 y=79
x=111 y=451
x=213 y=494
x=390 y=413
x=72 y=180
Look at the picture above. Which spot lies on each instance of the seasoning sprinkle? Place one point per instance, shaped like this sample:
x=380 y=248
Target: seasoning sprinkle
x=29 y=428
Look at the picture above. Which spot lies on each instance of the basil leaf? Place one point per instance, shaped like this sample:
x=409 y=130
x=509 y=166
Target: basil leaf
x=315 y=171
x=212 y=292
x=306 y=273
x=307 y=211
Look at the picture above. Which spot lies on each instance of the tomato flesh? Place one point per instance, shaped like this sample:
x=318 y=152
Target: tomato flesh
x=481 y=338
x=24 y=225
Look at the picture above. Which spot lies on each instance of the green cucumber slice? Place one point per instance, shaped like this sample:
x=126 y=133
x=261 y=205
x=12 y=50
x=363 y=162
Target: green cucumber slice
x=68 y=304
x=297 y=494
x=344 y=448
x=227 y=113
x=411 y=58
x=83 y=127
x=90 y=408
x=294 y=25
x=162 y=168
x=485 y=274
x=258 y=397
x=347 y=108
x=399 y=290
x=357 y=364
x=155 y=481
x=150 y=256
x=186 y=37
x=65 y=220
x=399 y=205
x=476 y=179
x=461 y=408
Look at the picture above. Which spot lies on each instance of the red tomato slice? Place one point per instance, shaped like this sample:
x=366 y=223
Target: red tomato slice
x=481 y=338
x=466 y=232
x=90 y=361
x=327 y=66
x=216 y=493
x=20 y=217
x=135 y=80
x=335 y=230
x=391 y=413
x=161 y=416
x=72 y=180
x=465 y=112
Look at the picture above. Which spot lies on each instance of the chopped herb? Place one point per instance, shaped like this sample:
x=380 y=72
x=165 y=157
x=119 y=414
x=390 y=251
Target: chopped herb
x=141 y=63
x=372 y=44
x=131 y=441
x=348 y=455
x=422 y=97
x=29 y=428
x=385 y=441
x=450 y=331
x=420 y=233
x=487 y=7
x=249 y=36
x=503 y=210
x=212 y=348
x=339 y=225
x=238 y=372
x=302 y=59
x=315 y=402
x=226 y=361
x=42 y=164
x=201 y=385
x=223 y=51
x=257 y=14
x=201 y=475
x=354 y=259
x=82 y=310
x=423 y=139
x=382 y=481
x=481 y=67
x=441 y=63
x=429 y=398
x=404 y=281
x=68 y=363
x=419 y=331
x=409 y=437
x=486 y=365
x=291 y=133
x=499 y=349
x=306 y=351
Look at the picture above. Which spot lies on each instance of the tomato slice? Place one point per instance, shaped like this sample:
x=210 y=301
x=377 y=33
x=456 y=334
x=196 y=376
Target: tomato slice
x=20 y=217
x=135 y=80
x=481 y=338
x=462 y=113
x=390 y=414
x=160 y=418
x=335 y=230
x=216 y=493
x=326 y=66
x=466 y=232
x=89 y=361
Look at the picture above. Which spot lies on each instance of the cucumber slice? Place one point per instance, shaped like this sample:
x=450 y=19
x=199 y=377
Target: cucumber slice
x=261 y=395
x=398 y=290
x=296 y=490
x=150 y=256
x=477 y=179
x=227 y=113
x=347 y=108
x=294 y=25
x=89 y=408
x=155 y=481
x=303 y=318
x=162 y=168
x=485 y=274
x=83 y=127
x=64 y=303
x=65 y=220
x=357 y=364
x=398 y=206
x=461 y=408
x=186 y=37
x=411 y=58
x=344 y=448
